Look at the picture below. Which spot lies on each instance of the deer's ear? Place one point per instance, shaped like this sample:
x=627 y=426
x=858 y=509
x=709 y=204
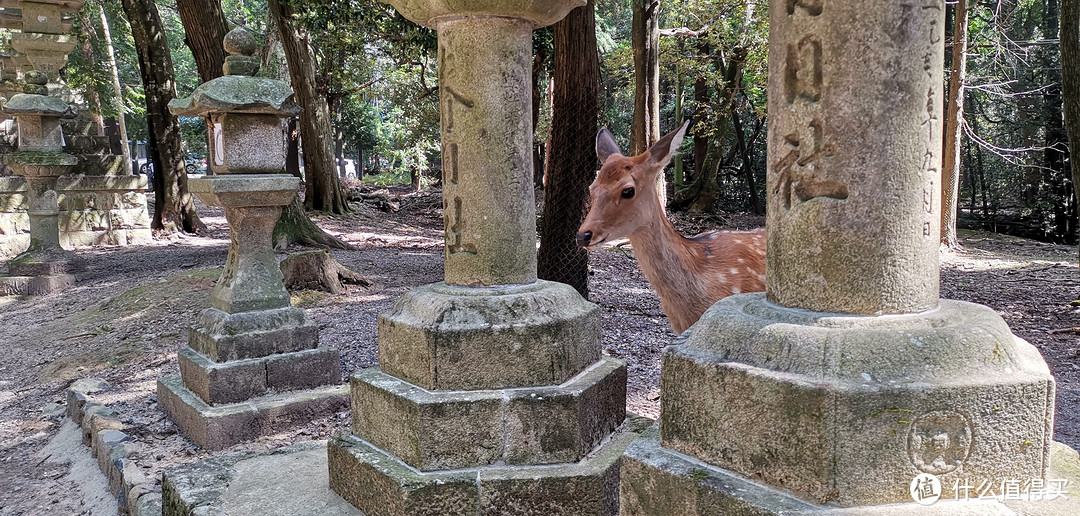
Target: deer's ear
x=662 y=151
x=605 y=145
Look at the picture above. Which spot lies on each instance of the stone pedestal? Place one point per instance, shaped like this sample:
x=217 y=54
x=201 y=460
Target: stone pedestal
x=253 y=365
x=848 y=378
x=491 y=394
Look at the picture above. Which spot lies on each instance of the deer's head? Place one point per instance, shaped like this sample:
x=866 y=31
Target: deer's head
x=623 y=196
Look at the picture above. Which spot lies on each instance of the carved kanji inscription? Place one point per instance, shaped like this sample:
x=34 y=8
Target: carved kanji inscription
x=803 y=77
x=812 y=7
x=797 y=179
x=455 y=229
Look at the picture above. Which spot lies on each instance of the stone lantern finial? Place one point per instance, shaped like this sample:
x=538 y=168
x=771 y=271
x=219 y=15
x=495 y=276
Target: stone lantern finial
x=241 y=46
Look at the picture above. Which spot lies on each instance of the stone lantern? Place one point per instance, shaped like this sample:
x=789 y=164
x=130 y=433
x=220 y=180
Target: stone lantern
x=44 y=41
x=253 y=360
x=44 y=267
x=491 y=395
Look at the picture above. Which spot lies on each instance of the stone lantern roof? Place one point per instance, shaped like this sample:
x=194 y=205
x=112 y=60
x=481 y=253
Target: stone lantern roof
x=238 y=91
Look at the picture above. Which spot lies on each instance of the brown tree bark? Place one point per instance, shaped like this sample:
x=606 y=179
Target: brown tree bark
x=204 y=30
x=1070 y=83
x=86 y=47
x=572 y=161
x=323 y=187
x=954 y=113
x=174 y=207
x=645 y=40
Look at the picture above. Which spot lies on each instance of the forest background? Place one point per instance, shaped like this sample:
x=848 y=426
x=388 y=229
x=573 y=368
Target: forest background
x=366 y=77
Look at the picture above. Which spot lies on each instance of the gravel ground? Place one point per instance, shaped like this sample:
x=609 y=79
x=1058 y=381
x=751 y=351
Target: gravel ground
x=129 y=314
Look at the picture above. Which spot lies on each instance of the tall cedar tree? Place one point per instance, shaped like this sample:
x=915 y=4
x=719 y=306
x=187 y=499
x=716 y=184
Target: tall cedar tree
x=324 y=191
x=174 y=208
x=954 y=113
x=1070 y=83
x=572 y=162
x=645 y=41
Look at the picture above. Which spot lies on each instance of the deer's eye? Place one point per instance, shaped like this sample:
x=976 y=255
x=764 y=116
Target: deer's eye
x=628 y=193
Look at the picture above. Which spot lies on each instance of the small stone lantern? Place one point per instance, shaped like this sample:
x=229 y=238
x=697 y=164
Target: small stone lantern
x=252 y=358
x=45 y=267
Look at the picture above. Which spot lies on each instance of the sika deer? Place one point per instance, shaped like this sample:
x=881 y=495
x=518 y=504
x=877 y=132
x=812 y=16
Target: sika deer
x=689 y=274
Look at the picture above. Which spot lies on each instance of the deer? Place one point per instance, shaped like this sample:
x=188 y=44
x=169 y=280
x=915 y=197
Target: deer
x=689 y=274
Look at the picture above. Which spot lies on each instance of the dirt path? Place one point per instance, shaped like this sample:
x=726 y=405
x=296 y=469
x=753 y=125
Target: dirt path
x=129 y=314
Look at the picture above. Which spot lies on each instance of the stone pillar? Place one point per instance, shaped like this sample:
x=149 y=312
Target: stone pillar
x=848 y=378
x=45 y=266
x=253 y=364
x=490 y=378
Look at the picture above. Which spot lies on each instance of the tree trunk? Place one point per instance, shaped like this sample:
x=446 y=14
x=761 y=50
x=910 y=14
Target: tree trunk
x=204 y=31
x=572 y=161
x=645 y=39
x=174 y=208
x=86 y=47
x=118 y=100
x=954 y=113
x=324 y=192
x=1070 y=83
x=748 y=169
x=1063 y=225
x=701 y=112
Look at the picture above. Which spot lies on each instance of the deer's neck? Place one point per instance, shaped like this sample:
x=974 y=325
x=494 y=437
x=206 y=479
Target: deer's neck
x=667 y=260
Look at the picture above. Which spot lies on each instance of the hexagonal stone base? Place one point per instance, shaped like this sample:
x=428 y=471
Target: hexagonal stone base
x=443 y=337
x=217 y=427
x=223 y=337
x=35 y=285
x=238 y=380
x=380 y=485
x=657 y=481
x=434 y=430
x=847 y=409
x=46 y=262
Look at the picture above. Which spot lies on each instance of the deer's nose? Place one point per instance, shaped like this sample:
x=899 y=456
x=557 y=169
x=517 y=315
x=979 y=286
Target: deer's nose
x=583 y=239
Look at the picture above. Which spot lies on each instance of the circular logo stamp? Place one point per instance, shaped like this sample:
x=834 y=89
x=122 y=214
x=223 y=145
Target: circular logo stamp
x=939 y=441
x=925 y=489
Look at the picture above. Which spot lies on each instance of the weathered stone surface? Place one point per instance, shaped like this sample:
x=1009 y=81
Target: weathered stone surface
x=382 y=485
x=35 y=285
x=854 y=151
x=238 y=94
x=289 y=481
x=39 y=105
x=873 y=401
x=490 y=210
x=432 y=430
x=548 y=425
x=657 y=481
x=246 y=191
x=222 y=382
x=222 y=336
x=78 y=395
x=427 y=430
x=303 y=369
x=540 y=14
x=379 y=485
x=444 y=337
x=217 y=427
x=53 y=261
